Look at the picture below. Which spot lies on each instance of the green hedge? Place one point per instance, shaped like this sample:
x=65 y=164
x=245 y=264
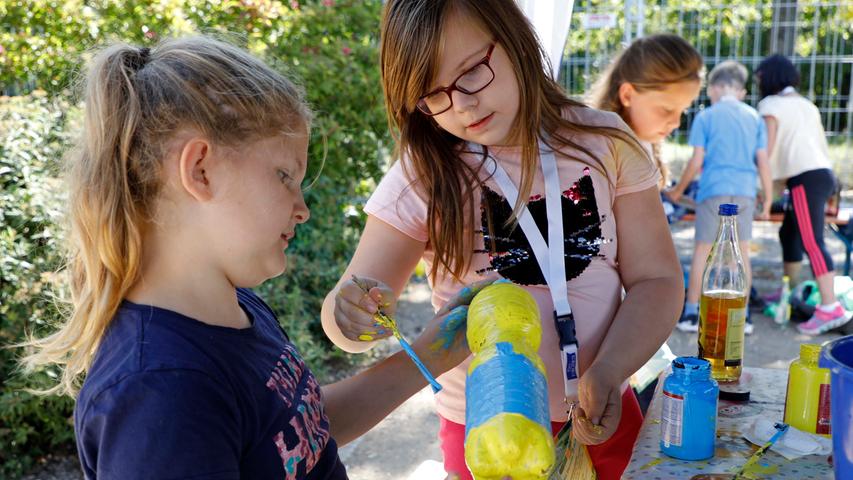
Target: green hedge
x=328 y=46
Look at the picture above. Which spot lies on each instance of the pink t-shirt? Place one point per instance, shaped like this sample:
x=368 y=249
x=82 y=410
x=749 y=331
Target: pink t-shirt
x=594 y=286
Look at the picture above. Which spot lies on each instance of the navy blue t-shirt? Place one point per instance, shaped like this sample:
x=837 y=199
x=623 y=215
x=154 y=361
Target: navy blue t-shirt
x=171 y=397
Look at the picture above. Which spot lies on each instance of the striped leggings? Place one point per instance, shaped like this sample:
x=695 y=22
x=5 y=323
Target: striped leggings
x=802 y=227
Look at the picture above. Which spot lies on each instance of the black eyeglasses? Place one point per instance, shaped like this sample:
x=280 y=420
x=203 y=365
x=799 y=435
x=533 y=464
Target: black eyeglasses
x=471 y=81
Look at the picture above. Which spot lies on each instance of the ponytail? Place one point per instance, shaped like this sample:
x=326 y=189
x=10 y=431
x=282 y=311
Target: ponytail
x=135 y=100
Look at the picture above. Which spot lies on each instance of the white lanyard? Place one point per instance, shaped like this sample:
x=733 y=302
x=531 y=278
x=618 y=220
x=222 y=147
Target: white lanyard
x=550 y=256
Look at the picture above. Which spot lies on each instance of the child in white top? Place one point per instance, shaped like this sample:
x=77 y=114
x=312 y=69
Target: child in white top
x=799 y=156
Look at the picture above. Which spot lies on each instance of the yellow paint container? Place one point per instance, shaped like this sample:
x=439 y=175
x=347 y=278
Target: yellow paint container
x=807 y=398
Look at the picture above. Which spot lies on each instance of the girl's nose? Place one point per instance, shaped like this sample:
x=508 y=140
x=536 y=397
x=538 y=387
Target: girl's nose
x=462 y=102
x=674 y=122
x=300 y=210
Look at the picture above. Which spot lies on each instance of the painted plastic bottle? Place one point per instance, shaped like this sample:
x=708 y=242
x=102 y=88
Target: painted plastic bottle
x=689 y=410
x=722 y=306
x=507 y=419
x=782 y=314
x=807 y=399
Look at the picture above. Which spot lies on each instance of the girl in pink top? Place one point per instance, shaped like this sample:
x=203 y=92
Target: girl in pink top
x=478 y=119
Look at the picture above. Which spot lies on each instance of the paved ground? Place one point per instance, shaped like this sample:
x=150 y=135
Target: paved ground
x=404 y=445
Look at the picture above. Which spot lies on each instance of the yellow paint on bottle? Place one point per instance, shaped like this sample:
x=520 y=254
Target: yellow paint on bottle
x=508 y=444
x=491 y=457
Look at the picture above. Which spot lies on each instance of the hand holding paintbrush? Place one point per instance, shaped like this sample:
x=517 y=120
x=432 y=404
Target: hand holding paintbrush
x=388 y=323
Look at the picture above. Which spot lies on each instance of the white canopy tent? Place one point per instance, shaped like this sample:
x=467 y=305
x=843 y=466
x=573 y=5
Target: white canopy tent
x=551 y=20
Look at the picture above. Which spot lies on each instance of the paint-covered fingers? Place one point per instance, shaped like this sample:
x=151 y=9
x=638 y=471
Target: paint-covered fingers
x=467 y=293
x=443 y=340
x=356 y=307
x=600 y=408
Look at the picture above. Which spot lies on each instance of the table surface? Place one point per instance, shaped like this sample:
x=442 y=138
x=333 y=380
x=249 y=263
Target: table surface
x=767 y=398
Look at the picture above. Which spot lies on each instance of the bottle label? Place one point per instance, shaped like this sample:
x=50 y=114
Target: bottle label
x=823 y=415
x=734 y=336
x=672 y=419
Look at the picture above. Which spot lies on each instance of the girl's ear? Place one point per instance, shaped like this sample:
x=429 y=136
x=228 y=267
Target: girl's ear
x=194 y=164
x=626 y=93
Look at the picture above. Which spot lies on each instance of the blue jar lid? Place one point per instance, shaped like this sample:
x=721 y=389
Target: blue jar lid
x=728 y=209
x=693 y=367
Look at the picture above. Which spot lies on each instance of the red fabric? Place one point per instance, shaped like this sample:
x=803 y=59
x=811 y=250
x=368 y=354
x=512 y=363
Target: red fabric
x=610 y=458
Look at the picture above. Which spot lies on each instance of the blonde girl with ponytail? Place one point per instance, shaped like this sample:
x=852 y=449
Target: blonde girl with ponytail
x=185 y=190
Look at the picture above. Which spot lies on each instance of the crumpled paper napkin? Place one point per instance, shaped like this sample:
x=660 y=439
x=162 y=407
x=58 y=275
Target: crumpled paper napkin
x=793 y=444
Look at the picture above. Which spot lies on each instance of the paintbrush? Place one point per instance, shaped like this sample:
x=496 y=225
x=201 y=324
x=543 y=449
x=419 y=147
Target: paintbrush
x=388 y=322
x=781 y=428
x=739 y=475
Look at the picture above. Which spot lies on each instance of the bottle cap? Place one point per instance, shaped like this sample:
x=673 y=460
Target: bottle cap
x=691 y=363
x=692 y=368
x=737 y=391
x=809 y=352
x=728 y=209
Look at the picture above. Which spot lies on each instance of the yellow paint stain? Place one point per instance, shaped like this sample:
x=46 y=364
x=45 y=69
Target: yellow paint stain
x=757 y=471
x=365 y=338
x=654 y=463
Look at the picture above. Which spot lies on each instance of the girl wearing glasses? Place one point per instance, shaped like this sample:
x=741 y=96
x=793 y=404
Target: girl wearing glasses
x=478 y=119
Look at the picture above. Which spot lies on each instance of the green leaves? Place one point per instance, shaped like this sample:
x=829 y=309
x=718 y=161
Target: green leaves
x=328 y=46
x=32 y=140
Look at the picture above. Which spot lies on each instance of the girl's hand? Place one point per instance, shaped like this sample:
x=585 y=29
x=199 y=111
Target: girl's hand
x=355 y=308
x=467 y=293
x=443 y=342
x=600 y=408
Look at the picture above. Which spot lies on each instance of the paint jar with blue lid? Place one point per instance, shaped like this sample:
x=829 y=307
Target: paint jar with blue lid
x=689 y=410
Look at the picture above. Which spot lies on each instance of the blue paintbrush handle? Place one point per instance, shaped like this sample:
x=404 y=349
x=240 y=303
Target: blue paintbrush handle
x=436 y=387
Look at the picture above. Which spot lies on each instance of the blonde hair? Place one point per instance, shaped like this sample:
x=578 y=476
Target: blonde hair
x=136 y=100
x=649 y=63
x=410 y=51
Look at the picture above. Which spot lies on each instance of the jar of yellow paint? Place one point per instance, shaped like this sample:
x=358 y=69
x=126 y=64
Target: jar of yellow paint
x=807 y=398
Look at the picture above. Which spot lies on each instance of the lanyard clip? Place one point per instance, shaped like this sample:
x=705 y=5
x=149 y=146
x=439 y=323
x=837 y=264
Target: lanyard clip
x=565 y=325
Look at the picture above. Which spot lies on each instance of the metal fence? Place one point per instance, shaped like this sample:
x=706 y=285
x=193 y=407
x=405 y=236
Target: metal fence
x=816 y=35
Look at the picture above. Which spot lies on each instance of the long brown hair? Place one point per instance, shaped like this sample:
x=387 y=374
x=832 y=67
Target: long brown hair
x=136 y=101
x=411 y=34
x=649 y=63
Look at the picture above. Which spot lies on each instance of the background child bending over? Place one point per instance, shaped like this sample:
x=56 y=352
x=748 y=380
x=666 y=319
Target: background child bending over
x=650 y=84
x=799 y=158
x=729 y=143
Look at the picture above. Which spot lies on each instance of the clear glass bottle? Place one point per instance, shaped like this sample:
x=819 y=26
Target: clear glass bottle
x=722 y=307
x=782 y=314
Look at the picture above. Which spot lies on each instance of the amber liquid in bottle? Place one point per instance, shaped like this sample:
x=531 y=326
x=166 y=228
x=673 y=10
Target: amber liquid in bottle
x=722 y=315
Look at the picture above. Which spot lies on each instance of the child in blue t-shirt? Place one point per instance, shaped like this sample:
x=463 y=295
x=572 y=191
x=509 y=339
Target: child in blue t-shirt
x=185 y=191
x=729 y=141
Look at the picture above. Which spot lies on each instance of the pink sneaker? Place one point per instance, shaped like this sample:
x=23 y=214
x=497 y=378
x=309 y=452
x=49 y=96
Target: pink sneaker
x=822 y=322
